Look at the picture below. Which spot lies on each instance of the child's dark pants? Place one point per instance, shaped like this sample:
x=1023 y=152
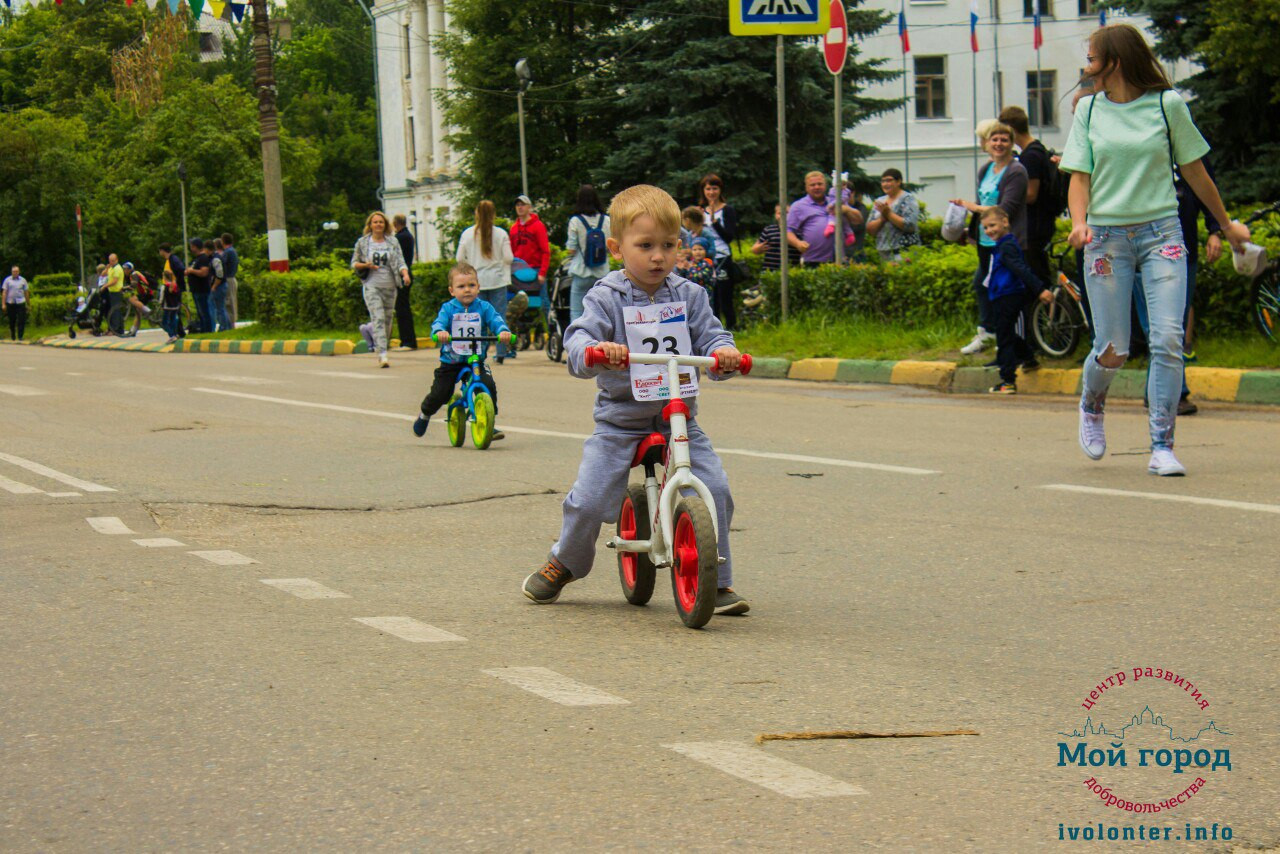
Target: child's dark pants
x=446 y=378
x=1011 y=348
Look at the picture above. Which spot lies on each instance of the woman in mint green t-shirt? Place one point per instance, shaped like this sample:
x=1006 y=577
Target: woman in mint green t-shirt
x=1122 y=151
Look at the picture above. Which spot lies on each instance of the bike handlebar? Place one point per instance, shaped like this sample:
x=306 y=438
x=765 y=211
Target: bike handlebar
x=1270 y=209
x=468 y=339
x=595 y=356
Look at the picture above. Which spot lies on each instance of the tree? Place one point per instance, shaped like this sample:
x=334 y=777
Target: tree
x=695 y=99
x=1236 y=94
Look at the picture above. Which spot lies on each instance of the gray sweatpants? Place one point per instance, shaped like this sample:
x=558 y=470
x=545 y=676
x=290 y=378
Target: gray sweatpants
x=597 y=494
x=381 y=303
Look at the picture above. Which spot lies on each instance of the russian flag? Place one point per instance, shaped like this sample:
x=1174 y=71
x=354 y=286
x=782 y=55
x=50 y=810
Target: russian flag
x=973 y=25
x=902 y=31
x=1038 y=40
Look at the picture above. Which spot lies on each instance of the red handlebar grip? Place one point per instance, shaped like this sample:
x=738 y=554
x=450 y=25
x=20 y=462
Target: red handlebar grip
x=595 y=356
x=745 y=367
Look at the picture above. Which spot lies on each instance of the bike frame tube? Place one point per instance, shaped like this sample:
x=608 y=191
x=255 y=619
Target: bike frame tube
x=678 y=447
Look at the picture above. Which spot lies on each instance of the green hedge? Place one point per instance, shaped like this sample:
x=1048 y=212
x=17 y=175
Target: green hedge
x=333 y=298
x=50 y=284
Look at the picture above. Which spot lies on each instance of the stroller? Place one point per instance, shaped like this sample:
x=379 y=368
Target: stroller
x=524 y=307
x=89 y=311
x=558 y=314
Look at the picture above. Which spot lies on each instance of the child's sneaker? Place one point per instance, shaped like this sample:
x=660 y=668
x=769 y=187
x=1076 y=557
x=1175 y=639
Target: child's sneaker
x=1003 y=388
x=729 y=603
x=366 y=332
x=829 y=230
x=544 y=586
x=420 y=426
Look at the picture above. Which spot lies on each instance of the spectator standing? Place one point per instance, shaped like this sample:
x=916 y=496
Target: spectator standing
x=198 y=275
x=723 y=221
x=895 y=220
x=174 y=264
x=115 y=295
x=1042 y=217
x=807 y=220
x=585 y=244
x=488 y=248
x=379 y=264
x=404 y=308
x=529 y=243
x=16 y=292
x=1122 y=149
x=1002 y=182
x=769 y=244
x=218 y=289
x=231 y=266
x=171 y=303
x=1010 y=283
x=858 y=248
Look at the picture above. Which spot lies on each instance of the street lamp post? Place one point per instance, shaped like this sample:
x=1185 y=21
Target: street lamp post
x=413 y=221
x=182 y=192
x=525 y=76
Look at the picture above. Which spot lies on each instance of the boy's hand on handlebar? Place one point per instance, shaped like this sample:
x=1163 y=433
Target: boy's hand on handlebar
x=615 y=353
x=504 y=337
x=443 y=337
x=727 y=360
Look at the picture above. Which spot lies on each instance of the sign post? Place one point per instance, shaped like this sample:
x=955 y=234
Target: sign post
x=835 y=50
x=80 y=238
x=780 y=18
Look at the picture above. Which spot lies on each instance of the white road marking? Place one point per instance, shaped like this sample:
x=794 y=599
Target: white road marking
x=232 y=378
x=555 y=687
x=25 y=368
x=108 y=525
x=78 y=374
x=22 y=391
x=160 y=543
x=755 y=766
x=63 y=494
x=1157 y=496
x=305 y=588
x=577 y=437
x=82 y=485
x=352 y=375
x=407 y=628
x=222 y=557
x=18 y=488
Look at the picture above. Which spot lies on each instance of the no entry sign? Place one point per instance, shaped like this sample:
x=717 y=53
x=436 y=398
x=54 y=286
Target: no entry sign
x=835 y=46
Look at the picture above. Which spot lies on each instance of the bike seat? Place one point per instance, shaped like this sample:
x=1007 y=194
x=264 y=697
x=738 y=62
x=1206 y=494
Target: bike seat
x=651 y=451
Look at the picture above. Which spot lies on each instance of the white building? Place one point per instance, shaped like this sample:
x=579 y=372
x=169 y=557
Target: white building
x=940 y=84
x=419 y=169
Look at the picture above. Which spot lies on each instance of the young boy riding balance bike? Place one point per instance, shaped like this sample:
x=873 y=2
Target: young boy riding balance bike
x=638 y=308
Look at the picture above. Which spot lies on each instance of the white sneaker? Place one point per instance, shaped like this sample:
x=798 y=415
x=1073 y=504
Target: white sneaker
x=384 y=361
x=1165 y=464
x=1093 y=438
x=979 y=342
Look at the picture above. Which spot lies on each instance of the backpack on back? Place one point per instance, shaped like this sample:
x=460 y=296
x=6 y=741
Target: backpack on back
x=1053 y=189
x=594 y=251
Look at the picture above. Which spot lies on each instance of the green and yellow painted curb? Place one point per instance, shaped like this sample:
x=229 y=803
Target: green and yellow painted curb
x=292 y=347
x=105 y=344
x=1231 y=385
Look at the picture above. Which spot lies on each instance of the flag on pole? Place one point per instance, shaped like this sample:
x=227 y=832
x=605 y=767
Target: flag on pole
x=973 y=25
x=902 y=31
x=196 y=7
x=173 y=6
x=1037 y=41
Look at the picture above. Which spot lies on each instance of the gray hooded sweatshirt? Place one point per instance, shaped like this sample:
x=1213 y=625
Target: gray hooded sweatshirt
x=601 y=320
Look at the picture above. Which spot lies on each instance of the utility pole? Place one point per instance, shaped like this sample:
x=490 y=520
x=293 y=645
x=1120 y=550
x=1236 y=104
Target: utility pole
x=525 y=76
x=377 y=96
x=269 y=130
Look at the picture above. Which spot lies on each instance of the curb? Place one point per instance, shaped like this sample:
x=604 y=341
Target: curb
x=1230 y=385
x=292 y=347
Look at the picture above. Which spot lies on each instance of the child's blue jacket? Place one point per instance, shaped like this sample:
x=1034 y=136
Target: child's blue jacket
x=491 y=323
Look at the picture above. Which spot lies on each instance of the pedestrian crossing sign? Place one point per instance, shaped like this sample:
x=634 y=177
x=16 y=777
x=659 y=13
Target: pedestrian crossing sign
x=778 y=17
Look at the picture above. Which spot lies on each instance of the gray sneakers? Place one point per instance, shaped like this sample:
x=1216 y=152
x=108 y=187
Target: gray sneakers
x=544 y=586
x=730 y=603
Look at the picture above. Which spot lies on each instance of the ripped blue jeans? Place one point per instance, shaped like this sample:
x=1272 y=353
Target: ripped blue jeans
x=1111 y=262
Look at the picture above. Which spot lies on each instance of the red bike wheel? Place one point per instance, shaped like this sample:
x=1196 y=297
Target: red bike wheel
x=635 y=569
x=694 y=564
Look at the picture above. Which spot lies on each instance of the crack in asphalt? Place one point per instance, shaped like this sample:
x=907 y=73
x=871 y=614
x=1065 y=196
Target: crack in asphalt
x=366 y=508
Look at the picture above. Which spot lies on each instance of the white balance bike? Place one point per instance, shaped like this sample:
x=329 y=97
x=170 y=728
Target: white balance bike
x=681 y=533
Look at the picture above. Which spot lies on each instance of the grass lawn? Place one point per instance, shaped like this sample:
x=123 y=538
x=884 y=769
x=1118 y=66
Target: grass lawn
x=254 y=332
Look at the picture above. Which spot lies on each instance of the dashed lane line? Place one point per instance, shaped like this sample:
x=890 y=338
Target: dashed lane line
x=577 y=437
x=63 y=494
x=223 y=557
x=352 y=375
x=305 y=588
x=109 y=525
x=1160 y=496
x=160 y=543
x=409 y=629
x=53 y=474
x=755 y=766
x=18 y=488
x=21 y=391
x=555 y=687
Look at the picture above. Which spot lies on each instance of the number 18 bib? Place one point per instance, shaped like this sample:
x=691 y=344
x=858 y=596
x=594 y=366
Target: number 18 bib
x=659 y=328
x=465 y=324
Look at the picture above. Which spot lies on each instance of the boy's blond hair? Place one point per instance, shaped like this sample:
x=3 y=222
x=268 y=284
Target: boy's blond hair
x=462 y=268
x=643 y=200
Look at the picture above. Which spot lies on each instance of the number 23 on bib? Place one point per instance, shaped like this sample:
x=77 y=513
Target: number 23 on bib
x=660 y=328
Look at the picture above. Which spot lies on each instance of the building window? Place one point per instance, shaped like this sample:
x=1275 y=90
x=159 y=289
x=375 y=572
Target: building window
x=411 y=145
x=208 y=43
x=1088 y=8
x=1042 y=96
x=1046 y=8
x=931 y=87
x=406 y=54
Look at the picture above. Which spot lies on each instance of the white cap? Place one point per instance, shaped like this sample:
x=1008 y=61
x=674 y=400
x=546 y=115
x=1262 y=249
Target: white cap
x=1250 y=262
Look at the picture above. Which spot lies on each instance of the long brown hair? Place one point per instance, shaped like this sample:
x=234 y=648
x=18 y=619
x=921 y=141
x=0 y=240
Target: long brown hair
x=1122 y=46
x=485 y=213
x=709 y=178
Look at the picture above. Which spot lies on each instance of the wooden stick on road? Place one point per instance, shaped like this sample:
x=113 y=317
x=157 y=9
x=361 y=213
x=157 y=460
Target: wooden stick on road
x=849 y=733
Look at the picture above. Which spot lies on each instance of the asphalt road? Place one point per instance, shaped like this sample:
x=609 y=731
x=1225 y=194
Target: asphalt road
x=915 y=562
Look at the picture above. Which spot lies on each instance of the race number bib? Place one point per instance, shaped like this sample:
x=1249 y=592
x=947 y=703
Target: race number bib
x=658 y=328
x=465 y=324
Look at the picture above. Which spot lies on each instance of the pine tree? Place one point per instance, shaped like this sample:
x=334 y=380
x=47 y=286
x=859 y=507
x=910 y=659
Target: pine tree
x=695 y=99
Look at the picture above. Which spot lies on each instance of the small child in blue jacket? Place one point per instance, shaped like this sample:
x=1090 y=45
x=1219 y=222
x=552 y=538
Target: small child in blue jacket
x=464 y=287
x=646 y=234
x=1010 y=285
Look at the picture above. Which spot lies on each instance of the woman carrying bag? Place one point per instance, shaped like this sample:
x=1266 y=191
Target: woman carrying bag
x=1122 y=150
